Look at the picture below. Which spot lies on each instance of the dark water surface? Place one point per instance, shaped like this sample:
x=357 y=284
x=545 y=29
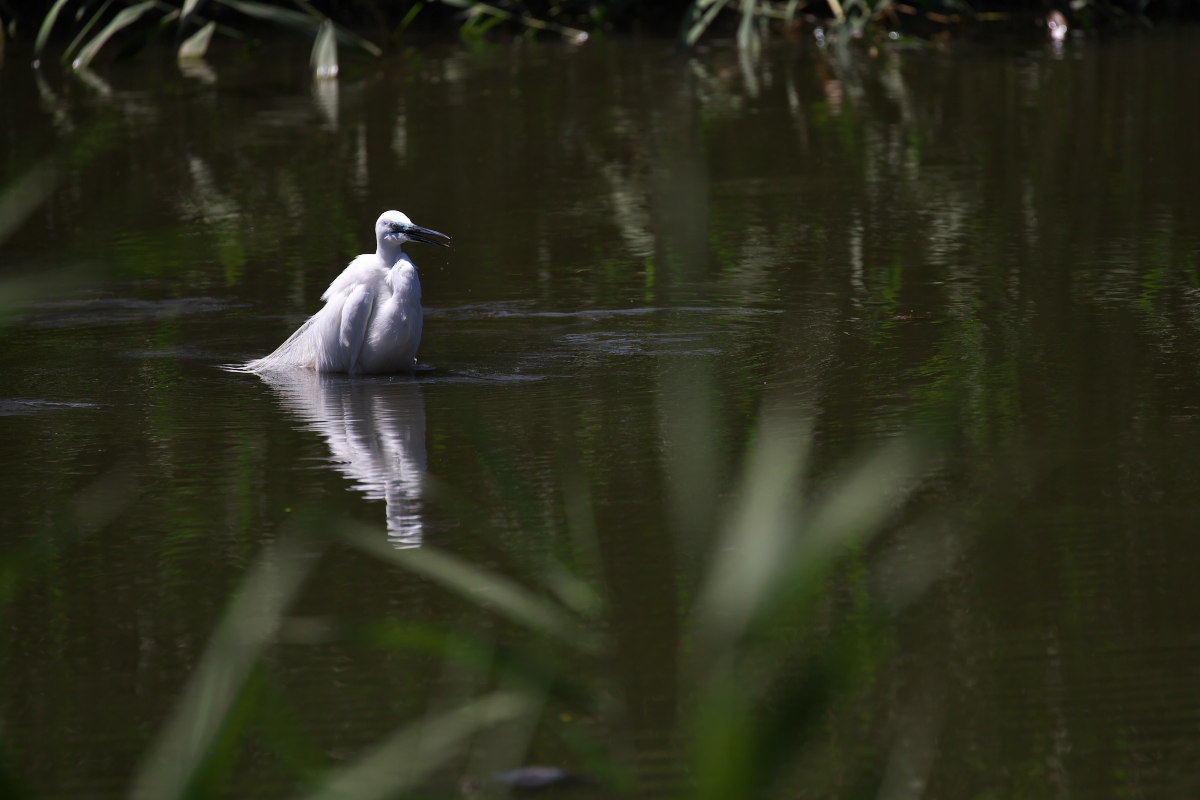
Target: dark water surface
x=998 y=248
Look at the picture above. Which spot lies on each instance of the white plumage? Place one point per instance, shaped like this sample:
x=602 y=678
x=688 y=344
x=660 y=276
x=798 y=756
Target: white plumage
x=372 y=319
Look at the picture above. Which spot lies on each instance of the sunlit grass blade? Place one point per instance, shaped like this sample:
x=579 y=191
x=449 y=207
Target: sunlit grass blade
x=853 y=509
x=124 y=18
x=750 y=553
x=47 y=25
x=297 y=20
x=82 y=36
x=196 y=45
x=247 y=628
x=487 y=589
x=399 y=763
x=842 y=518
x=770 y=551
x=324 y=59
x=700 y=15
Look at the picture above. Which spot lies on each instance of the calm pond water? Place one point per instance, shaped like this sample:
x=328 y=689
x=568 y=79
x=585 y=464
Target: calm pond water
x=997 y=248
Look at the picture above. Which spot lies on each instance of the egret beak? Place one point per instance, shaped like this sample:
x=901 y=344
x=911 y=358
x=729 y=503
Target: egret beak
x=416 y=233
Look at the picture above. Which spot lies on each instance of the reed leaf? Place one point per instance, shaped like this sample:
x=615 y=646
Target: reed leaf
x=297 y=20
x=854 y=509
x=196 y=45
x=751 y=551
x=475 y=10
x=402 y=761
x=408 y=19
x=487 y=589
x=700 y=15
x=770 y=551
x=124 y=18
x=47 y=24
x=85 y=30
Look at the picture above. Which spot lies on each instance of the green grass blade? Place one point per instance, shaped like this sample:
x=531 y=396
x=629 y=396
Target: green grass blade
x=751 y=551
x=297 y=20
x=398 y=764
x=700 y=16
x=47 y=25
x=854 y=508
x=122 y=20
x=487 y=589
x=408 y=19
x=83 y=33
x=247 y=628
x=275 y=14
x=476 y=11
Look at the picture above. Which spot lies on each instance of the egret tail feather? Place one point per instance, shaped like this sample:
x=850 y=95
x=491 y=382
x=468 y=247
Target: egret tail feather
x=296 y=351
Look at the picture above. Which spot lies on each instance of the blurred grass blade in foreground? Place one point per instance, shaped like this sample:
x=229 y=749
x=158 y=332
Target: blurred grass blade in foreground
x=297 y=20
x=180 y=756
x=124 y=18
x=772 y=549
x=411 y=754
x=487 y=589
x=750 y=553
x=700 y=15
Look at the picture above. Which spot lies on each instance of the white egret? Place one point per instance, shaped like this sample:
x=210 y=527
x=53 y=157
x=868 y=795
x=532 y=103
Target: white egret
x=372 y=319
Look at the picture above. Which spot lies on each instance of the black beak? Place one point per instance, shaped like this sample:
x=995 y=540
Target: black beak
x=418 y=234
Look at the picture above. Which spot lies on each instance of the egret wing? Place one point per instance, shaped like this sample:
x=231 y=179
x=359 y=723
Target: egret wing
x=355 y=323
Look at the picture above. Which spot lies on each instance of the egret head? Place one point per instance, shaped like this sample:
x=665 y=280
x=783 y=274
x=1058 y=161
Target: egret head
x=393 y=229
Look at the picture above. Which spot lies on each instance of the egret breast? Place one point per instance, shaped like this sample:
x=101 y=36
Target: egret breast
x=395 y=332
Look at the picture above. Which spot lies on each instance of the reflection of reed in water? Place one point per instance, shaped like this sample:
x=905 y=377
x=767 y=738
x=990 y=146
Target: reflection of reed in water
x=375 y=430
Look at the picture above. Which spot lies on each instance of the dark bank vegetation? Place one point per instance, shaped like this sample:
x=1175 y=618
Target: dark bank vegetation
x=76 y=30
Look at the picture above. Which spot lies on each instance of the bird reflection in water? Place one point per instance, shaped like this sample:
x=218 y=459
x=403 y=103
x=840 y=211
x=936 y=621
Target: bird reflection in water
x=375 y=430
